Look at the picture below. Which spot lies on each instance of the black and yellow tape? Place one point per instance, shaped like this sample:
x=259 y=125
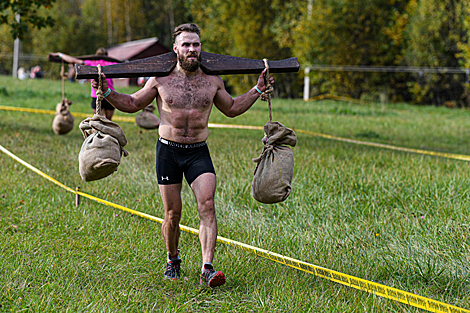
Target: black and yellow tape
x=446 y=155
x=332 y=275
x=50 y=112
x=340 y=98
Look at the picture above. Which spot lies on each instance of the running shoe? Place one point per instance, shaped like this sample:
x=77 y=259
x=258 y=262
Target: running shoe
x=172 y=271
x=211 y=278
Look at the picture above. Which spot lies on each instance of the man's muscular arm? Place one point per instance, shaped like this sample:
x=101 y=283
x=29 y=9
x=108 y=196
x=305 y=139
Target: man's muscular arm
x=232 y=107
x=129 y=103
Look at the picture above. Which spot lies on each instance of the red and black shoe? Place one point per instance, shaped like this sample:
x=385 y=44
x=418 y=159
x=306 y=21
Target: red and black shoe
x=211 y=278
x=172 y=271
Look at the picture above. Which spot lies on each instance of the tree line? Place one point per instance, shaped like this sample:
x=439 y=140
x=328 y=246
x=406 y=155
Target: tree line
x=409 y=33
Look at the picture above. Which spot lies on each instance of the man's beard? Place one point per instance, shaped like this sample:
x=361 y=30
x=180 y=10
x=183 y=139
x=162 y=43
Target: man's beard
x=189 y=65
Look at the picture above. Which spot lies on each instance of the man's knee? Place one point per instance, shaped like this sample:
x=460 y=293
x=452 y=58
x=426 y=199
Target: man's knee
x=173 y=216
x=206 y=204
x=207 y=209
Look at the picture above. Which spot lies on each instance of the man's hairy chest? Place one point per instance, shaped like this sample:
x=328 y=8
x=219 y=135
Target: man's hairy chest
x=183 y=93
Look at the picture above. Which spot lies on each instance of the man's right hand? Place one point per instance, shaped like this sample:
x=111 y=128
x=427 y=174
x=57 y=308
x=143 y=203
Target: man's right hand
x=104 y=83
x=262 y=81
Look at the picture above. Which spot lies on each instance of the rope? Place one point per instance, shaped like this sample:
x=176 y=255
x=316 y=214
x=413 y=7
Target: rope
x=63 y=80
x=99 y=92
x=266 y=95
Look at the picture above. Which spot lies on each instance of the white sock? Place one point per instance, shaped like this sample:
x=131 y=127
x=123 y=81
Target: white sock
x=168 y=258
x=208 y=263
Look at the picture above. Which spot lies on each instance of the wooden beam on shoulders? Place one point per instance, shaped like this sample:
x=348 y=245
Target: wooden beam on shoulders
x=211 y=64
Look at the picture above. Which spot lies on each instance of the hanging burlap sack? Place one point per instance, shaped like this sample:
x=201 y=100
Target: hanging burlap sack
x=146 y=119
x=63 y=120
x=102 y=149
x=275 y=170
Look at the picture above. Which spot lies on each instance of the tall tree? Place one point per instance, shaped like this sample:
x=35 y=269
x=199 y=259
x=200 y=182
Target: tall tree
x=246 y=28
x=82 y=26
x=464 y=46
x=161 y=17
x=78 y=30
x=351 y=32
x=21 y=14
x=6 y=50
x=434 y=33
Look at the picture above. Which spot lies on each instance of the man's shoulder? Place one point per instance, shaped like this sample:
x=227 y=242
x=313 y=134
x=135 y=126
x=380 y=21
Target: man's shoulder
x=154 y=81
x=216 y=79
x=159 y=80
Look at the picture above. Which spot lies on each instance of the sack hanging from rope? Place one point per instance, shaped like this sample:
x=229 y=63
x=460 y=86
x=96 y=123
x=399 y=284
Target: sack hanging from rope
x=63 y=120
x=102 y=149
x=275 y=169
x=146 y=119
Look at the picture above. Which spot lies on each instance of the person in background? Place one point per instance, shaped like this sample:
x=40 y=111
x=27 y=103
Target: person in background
x=70 y=75
x=107 y=109
x=22 y=73
x=36 y=72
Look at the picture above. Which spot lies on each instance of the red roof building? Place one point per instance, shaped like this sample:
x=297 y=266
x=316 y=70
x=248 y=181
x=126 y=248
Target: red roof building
x=135 y=50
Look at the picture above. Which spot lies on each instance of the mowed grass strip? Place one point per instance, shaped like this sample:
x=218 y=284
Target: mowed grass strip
x=395 y=218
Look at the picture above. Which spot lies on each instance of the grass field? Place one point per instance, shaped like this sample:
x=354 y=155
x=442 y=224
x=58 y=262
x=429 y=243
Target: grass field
x=395 y=218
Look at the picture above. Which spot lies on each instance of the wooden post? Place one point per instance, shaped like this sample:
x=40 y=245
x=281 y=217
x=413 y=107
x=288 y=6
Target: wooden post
x=77 y=196
x=16 y=52
x=306 y=84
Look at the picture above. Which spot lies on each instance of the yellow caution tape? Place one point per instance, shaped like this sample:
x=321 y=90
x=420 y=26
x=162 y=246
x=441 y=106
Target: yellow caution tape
x=35 y=169
x=319 y=97
x=329 y=96
x=385 y=146
x=338 y=277
x=78 y=114
x=6 y=108
x=454 y=156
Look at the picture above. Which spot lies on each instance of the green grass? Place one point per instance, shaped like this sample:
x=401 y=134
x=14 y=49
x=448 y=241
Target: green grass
x=395 y=218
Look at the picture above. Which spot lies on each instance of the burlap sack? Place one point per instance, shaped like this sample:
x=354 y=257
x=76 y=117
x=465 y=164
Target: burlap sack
x=63 y=120
x=275 y=170
x=146 y=119
x=102 y=149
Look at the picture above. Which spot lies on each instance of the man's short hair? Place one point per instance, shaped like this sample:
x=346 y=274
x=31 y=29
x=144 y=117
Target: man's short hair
x=101 y=51
x=188 y=27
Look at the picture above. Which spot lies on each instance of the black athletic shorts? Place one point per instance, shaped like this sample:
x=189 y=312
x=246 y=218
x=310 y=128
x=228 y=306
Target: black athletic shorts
x=105 y=105
x=175 y=159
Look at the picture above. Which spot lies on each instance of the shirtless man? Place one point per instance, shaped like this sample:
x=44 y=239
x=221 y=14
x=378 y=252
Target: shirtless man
x=184 y=101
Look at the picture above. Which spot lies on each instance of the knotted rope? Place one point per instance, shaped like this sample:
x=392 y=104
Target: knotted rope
x=62 y=72
x=99 y=92
x=266 y=95
x=267 y=148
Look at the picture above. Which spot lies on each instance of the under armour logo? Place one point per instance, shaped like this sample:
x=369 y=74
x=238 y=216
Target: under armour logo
x=165 y=178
